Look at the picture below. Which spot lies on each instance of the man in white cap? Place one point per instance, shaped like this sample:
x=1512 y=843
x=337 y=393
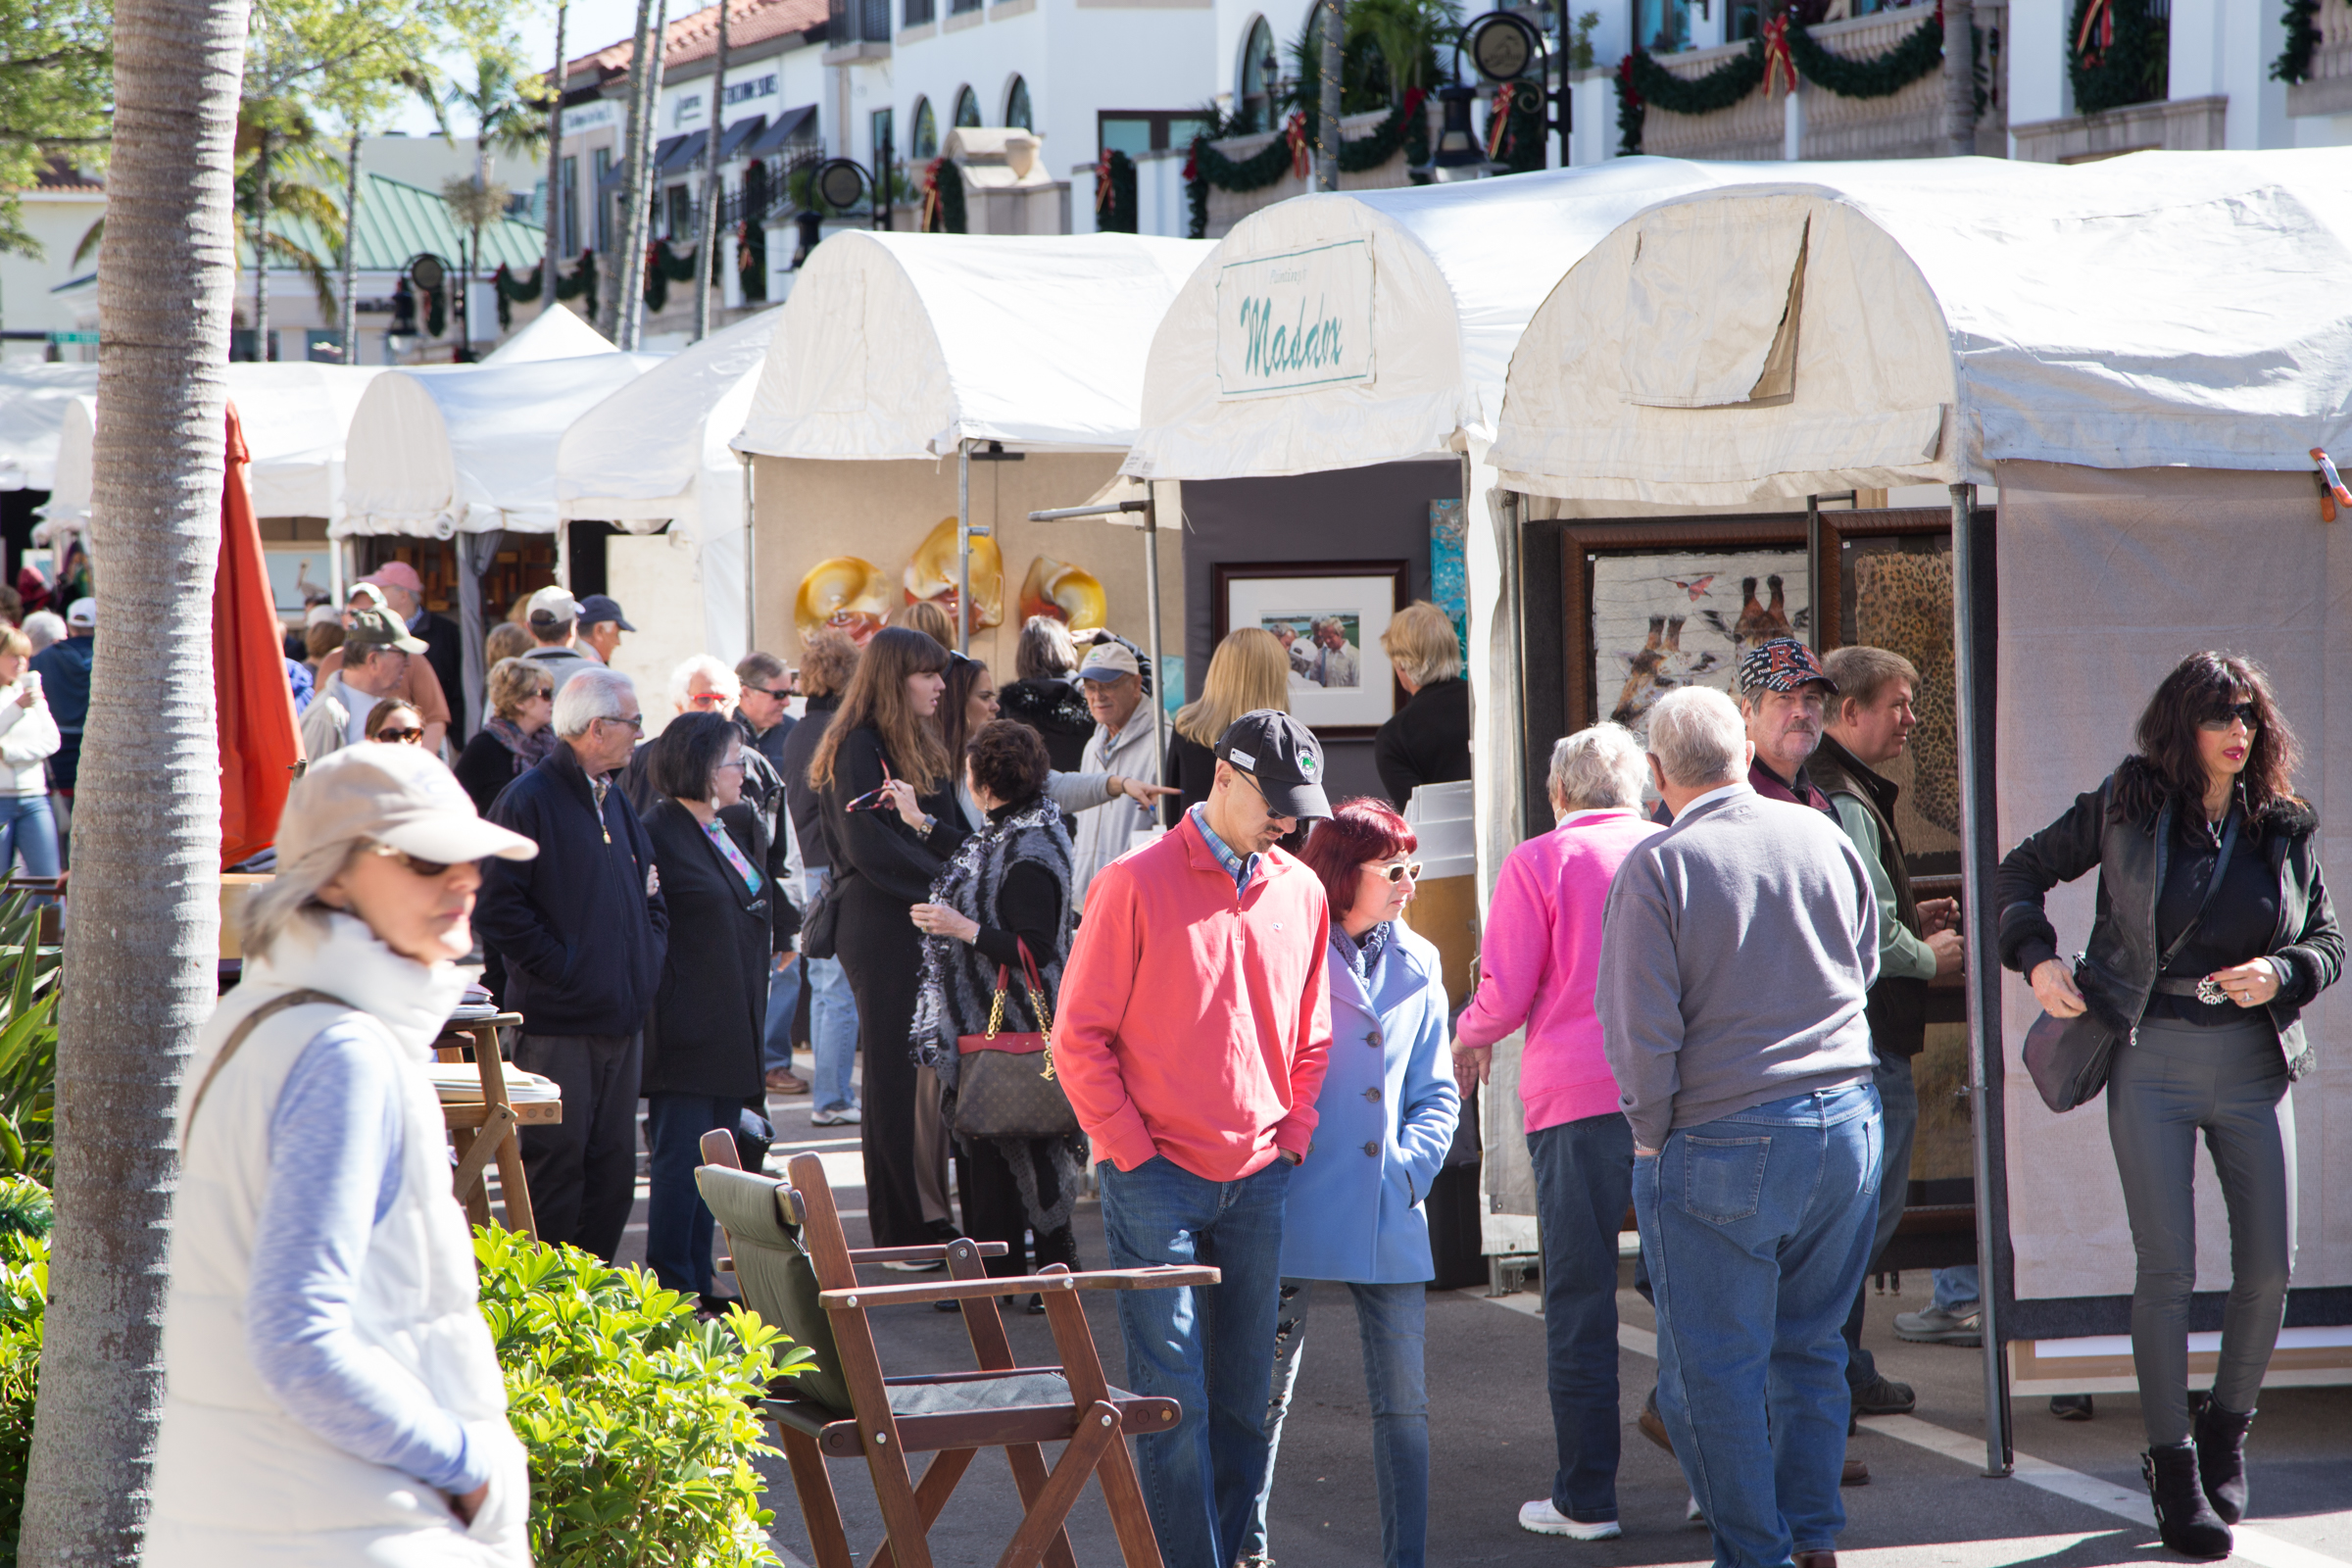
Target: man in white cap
x=64 y=672
x=1121 y=747
x=553 y=621
x=375 y=666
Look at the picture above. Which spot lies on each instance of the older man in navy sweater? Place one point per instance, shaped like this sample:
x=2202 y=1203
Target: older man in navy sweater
x=583 y=932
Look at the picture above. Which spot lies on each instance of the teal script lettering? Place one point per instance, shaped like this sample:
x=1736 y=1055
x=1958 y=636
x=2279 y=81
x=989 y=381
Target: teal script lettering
x=1274 y=350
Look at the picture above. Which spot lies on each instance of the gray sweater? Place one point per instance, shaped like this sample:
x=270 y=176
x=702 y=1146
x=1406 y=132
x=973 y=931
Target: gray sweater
x=1736 y=953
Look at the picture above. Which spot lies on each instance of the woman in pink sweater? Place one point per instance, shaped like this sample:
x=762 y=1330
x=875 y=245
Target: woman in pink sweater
x=1537 y=969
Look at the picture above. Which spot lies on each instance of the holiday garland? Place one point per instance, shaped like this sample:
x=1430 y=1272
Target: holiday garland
x=751 y=261
x=1405 y=128
x=1918 y=55
x=2116 y=52
x=2293 y=64
x=436 y=312
x=1114 y=193
x=942 y=198
x=1642 y=81
x=1630 y=110
x=514 y=291
x=663 y=268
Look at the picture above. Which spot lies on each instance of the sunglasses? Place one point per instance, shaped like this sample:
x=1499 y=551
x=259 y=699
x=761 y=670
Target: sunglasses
x=708 y=700
x=873 y=800
x=400 y=734
x=2245 y=713
x=430 y=870
x=1402 y=871
x=770 y=691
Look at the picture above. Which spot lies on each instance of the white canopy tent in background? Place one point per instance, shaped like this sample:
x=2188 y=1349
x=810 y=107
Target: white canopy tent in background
x=656 y=454
x=34 y=395
x=556 y=334
x=2140 y=354
x=903 y=349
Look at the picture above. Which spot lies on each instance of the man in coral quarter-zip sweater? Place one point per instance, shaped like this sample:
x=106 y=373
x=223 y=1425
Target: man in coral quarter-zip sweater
x=1195 y=1028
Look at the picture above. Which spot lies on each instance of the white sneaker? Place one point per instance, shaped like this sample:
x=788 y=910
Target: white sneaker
x=1540 y=1517
x=845 y=1116
x=1692 y=1514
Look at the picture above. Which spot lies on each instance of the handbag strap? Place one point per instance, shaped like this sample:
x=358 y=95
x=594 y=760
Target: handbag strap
x=1038 y=1004
x=237 y=1036
x=2221 y=868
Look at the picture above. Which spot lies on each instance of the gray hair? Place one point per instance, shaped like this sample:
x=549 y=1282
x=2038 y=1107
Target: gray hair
x=589 y=695
x=1597 y=769
x=43 y=627
x=1697 y=737
x=718 y=676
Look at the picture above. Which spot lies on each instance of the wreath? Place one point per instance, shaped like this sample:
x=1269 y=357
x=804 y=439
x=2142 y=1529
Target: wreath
x=513 y=290
x=2293 y=64
x=2116 y=52
x=663 y=268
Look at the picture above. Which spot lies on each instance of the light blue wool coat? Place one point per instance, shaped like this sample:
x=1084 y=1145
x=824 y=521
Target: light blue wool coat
x=1385 y=1118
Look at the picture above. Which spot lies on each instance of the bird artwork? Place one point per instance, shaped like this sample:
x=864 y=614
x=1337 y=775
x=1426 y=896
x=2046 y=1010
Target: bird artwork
x=1696 y=587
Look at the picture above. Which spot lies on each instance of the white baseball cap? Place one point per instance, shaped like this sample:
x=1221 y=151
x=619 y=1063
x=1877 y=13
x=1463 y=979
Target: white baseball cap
x=398 y=796
x=1109 y=661
x=553 y=605
x=83 y=612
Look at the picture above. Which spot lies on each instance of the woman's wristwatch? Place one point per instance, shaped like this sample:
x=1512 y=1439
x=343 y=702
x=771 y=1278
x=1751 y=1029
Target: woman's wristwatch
x=929 y=823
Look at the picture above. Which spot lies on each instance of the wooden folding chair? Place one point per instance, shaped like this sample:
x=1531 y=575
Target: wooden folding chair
x=798 y=1272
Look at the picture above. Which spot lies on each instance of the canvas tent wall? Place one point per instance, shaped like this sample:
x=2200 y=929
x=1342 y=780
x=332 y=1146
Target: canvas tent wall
x=33 y=396
x=897 y=352
x=2140 y=356
x=653 y=460
x=561 y=334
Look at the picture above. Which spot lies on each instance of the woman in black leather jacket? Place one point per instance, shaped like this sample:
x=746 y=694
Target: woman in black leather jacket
x=2205 y=995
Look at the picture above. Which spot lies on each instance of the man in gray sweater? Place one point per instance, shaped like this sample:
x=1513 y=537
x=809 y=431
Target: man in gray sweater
x=1738 y=950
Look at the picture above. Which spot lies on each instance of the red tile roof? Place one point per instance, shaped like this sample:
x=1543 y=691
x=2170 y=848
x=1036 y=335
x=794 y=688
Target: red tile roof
x=695 y=37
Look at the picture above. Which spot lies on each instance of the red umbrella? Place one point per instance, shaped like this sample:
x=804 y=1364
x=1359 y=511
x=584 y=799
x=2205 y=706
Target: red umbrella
x=261 y=745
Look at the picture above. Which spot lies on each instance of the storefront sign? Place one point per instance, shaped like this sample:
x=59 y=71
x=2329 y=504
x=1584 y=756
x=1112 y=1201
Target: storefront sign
x=1298 y=319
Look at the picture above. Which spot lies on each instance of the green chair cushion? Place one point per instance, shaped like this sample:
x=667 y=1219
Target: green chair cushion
x=778 y=1280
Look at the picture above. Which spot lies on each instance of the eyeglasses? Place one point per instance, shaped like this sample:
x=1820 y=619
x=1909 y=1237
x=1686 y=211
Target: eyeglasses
x=2245 y=713
x=1257 y=790
x=736 y=766
x=1402 y=870
x=400 y=734
x=708 y=700
x=769 y=691
x=634 y=722
x=430 y=870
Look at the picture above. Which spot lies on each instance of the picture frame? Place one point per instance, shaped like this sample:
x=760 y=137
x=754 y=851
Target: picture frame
x=1343 y=689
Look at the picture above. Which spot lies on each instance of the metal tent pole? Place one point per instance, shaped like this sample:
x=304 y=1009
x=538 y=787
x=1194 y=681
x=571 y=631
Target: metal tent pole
x=751 y=592
x=1983 y=1025
x=1160 y=698
x=963 y=547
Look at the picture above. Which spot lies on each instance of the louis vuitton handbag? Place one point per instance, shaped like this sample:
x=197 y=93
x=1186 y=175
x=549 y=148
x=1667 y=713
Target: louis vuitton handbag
x=1006 y=1088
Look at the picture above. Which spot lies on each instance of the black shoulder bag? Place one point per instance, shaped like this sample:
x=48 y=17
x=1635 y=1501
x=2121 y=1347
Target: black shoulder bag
x=2070 y=1058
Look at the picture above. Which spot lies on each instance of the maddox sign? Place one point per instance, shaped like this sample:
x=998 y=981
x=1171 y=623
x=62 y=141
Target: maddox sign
x=1298 y=320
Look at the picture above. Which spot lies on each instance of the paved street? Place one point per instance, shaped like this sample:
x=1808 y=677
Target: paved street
x=2077 y=1501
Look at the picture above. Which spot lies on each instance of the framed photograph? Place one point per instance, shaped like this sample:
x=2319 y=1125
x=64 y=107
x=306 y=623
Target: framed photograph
x=1330 y=615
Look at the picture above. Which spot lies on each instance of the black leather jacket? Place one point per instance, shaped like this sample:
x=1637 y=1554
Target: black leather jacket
x=2118 y=971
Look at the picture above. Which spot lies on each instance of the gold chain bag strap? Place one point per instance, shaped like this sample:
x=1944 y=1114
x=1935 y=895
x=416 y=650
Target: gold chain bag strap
x=1006 y=1088
x=237 y=1036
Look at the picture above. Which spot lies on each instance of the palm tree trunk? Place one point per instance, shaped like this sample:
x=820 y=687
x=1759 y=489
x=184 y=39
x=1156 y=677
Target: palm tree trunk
x=1327 y=113
x=628 y=275
x=641 y=221
x=347 y=325
x=558 y=195
x=260 y=252
x=145 y=932
x=706 y=246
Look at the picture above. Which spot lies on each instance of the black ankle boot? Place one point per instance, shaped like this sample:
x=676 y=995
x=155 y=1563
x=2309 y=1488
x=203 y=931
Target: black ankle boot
x=2220 y=1438
x=2184 y=1518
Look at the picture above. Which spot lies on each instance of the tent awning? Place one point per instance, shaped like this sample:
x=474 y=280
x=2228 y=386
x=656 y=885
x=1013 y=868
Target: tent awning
x=656 y=448
x=561 y=334
x=34 y=397
x=899 y=346
x=792 y=124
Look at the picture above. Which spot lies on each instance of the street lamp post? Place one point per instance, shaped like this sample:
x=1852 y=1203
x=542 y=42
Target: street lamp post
x=1502 y=44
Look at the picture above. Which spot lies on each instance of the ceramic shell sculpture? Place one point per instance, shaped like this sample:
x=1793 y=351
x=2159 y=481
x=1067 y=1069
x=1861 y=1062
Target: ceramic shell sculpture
x=843 y=593
x=1070 y=594
x=931 y=574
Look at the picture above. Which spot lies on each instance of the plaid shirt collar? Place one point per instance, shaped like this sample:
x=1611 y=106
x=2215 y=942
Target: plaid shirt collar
x=1240 y=868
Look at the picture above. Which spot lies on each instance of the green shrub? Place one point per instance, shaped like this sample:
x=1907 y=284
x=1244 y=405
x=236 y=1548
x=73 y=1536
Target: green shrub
x=28 y=1040
x=25 y=1220
x=642 y=1422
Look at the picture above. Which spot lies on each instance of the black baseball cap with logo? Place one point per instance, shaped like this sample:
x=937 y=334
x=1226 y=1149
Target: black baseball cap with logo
x=1282 y=757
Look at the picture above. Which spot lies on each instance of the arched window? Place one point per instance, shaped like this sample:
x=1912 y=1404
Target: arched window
x=926 y=130
x=1260 y=78
x=967 y=107
x=1016 y=105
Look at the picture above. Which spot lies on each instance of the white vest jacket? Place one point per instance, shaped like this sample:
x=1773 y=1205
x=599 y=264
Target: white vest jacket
x=238 y=1481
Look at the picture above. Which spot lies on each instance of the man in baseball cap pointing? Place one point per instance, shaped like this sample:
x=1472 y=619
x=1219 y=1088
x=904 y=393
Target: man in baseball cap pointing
x=1195 y=1028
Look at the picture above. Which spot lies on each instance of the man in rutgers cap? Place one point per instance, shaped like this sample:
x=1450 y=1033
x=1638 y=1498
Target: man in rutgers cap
x=1195 y=1026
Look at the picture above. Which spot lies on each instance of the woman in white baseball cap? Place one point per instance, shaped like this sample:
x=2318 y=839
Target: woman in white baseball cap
x=331 y=1395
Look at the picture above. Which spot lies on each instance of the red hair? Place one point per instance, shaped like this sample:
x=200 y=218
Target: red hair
x=1355 y=834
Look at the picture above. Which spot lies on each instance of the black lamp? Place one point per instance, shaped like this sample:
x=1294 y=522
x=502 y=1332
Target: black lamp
x=1458 y=154
x=811 y=226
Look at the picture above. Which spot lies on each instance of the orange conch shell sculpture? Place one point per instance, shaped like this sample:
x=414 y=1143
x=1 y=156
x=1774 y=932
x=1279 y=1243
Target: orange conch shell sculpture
x=1070 y=594
x=931 y=574
x=843 y=593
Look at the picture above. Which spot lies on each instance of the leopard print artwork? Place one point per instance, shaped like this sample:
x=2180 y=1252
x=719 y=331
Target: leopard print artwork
x=1903 y=602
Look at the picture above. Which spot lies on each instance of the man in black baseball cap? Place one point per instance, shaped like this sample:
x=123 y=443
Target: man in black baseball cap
x=1283 y=761
x=602 y=623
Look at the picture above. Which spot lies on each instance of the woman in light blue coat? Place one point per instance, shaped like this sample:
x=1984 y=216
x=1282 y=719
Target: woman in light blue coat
x=1384 y=1118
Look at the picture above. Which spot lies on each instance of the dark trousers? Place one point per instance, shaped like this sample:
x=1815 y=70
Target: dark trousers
x=1898 y=1109
x=1583 y=1185
x=583 y=1170
x=993 y=1211
x=882 y=953
x=677 y=1224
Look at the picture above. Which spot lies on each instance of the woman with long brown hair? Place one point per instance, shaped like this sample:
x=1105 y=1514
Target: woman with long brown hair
x=891 y=822
x=2213 y=933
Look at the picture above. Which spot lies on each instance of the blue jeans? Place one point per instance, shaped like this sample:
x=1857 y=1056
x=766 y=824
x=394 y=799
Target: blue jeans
x=1212 y=1349
x=677 y=1224
x=1756 y=1227
x=1899 y=1117
x=1584 y=1181
x=1956 y=1289
x=832 y=1027
x=1392 y=1319
x=26 y=828
x=783 y=1000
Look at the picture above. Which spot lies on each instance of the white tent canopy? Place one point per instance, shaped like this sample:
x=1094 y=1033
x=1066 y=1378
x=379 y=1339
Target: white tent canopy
x=899 y=346
x=656 y=451
x=1427 y=289
x=2160 y=309
x=33 y=396
x=471 y=449
x=553 y=334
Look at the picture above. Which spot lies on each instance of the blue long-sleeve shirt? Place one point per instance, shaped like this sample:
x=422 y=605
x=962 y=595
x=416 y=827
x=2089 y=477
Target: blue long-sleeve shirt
x=336 y=1146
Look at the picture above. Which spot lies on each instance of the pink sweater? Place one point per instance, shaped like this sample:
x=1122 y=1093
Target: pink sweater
x=1539 y=961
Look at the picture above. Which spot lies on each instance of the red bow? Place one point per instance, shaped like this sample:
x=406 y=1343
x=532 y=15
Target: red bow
x=2099 y=17
x=1103 y=181
x=930 y=194
x=1625 y=81
x=1303 y=154
x=1780 y=66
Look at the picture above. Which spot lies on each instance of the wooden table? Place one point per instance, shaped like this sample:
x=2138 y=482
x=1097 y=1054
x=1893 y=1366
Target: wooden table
x=489 y=1131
